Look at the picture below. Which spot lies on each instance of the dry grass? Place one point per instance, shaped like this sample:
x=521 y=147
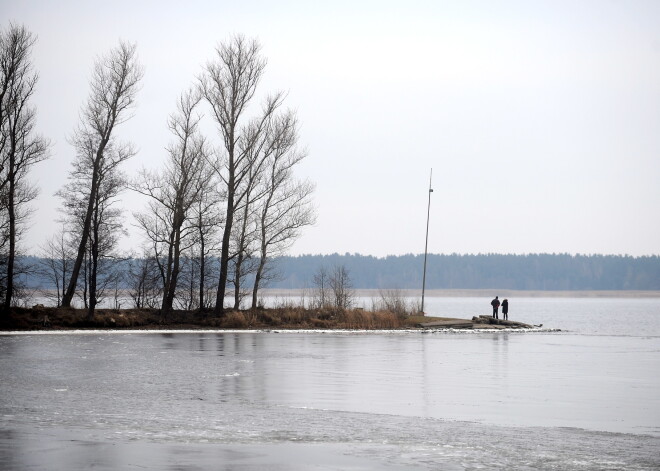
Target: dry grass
x=395 y=301
x=368 y=320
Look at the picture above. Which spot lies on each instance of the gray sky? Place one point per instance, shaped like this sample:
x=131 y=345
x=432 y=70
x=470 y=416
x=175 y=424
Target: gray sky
x=541 y=120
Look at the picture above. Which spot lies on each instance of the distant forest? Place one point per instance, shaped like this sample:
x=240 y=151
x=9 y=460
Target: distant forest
x=519 y=272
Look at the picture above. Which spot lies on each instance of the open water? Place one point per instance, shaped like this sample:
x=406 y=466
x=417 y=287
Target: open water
x=585 y=398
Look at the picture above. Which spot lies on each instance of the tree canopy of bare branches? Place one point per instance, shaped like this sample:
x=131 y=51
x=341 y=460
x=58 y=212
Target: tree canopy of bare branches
x=56 y=256
x=229 y=84
x=286 y=205
x=114 y=85
x=174 y=195
x=105 y=226
x=250 y=147
x=333 y=288
x=20 y=146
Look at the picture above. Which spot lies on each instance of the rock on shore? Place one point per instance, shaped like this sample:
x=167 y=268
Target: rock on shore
x=480 y=322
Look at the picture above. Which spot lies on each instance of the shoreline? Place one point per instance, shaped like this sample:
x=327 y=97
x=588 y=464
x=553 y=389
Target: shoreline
x=45 y=319
x=171 y=331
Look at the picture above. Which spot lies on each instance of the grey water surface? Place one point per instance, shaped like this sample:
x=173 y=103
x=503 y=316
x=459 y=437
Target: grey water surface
x=583 y=398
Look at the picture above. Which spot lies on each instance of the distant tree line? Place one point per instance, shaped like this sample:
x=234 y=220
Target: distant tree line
x=219 y=209
x=455 y=271
x=322 y=274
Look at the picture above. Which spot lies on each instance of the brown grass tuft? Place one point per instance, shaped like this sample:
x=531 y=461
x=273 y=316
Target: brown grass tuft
x=361 y=319
x=235 y=320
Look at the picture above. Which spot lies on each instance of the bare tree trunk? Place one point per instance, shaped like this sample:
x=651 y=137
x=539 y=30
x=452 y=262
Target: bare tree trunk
x=202 y=268
x=167 y=276
x=86 y=271
x=262 y=263
x=257 y=279
x=242 y=248
x=65 y=263
x=94 y=260
x=191 y=292
x=224 y=252
x=237 y=280
x=84 y=237
x=12 y=239
x=172 y=273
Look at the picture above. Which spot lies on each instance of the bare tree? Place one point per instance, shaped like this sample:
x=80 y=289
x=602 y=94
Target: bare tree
x=206 y=219
x=114 y=85
x=244 y=232
x=185 y=297
x=285 y=206
x=229 y=84
x=14 y=212
x=56 y=257
x=106 y=229
x=174 y=193
x=241 y=259
x=105 y=222
x=321 y=284
x=105 y=261
x=20 y=146
x=341 y=287
x=143 y=278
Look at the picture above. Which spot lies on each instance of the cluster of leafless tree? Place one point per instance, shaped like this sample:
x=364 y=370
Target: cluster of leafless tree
x=333 y=288
x=238 y=202
x=20 y=148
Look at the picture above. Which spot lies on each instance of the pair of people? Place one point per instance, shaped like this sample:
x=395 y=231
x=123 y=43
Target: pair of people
x=505 y=308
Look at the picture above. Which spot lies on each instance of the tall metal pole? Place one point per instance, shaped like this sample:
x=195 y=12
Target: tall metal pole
x=426 y=244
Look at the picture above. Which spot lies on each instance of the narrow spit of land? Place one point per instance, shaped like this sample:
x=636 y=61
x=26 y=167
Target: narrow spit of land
x=49 y=318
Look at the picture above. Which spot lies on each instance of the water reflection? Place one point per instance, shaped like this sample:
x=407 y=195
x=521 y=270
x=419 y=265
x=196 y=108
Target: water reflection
x=442 y=376
x=501 y=359
x=8 y=450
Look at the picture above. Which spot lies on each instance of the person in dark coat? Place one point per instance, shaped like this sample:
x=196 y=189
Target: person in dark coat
x=505 y=309
x=496 y=304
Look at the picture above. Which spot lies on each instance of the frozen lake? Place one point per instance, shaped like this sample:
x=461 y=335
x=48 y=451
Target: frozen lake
x=583 y=398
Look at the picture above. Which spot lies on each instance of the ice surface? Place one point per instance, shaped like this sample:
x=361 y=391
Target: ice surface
x=264 y=400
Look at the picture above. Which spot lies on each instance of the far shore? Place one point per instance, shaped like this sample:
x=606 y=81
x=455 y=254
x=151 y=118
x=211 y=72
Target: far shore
x=474 y=293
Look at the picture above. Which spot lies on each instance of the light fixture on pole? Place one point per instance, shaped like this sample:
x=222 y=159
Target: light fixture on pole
x=426 y=245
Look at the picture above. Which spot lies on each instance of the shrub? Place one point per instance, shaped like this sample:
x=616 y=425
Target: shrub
x=235 y=319
x=393 y=301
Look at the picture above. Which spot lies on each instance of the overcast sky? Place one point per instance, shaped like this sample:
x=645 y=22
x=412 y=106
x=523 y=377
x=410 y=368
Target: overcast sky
x=541 y=120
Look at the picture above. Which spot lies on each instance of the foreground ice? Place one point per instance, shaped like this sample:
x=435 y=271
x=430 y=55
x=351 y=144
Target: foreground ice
x=300 y=439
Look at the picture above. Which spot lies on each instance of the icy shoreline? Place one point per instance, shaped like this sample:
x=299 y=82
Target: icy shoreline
x=269 y=331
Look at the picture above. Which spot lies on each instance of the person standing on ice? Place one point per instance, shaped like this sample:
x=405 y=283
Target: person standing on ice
x=496 y=304
x=505 y=309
